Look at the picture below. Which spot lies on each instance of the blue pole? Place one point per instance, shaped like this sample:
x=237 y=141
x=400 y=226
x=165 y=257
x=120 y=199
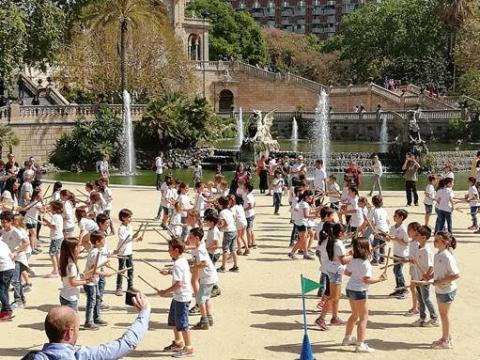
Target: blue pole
x=304 y=307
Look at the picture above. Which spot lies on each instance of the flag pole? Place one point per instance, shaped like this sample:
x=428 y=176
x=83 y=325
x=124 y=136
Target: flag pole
x=304 y=307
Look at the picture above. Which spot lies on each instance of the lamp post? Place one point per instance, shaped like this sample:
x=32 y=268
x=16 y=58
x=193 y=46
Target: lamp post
x=205 y=18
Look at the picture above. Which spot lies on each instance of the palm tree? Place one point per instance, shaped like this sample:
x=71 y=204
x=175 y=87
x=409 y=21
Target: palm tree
x=453 y=13
x=7 y=138
x=126 y=14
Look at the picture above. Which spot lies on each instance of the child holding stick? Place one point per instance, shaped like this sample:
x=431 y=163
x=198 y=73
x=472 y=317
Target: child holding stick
x=125 y=249
x=422 y=261
x=69 y=201
x=213 y=243
x=360 y=271
x=227 y=226
x=93 y=269
x=445 y=273
x=56 y=234
x=379 y=220
x=473 y=201
x=182 y=295
x=35 y=208
x=412 y=229
x=7 y=269
x=69 y=271
x=208 y=278
x=401 y=241
x=430 y=195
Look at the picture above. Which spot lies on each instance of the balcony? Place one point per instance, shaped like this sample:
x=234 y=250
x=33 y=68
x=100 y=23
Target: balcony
x=331 y=19
x=257 y=13
x=270 y=12
x=300 y=30
x=301 y=11
x=270 y=24
x=330 y=11
x=288 y=28
x=318 y=30
x=287 y=12
x=301 y=22
x=285 y=22
x=316 y=20
x=331 y=2
x=317 y=10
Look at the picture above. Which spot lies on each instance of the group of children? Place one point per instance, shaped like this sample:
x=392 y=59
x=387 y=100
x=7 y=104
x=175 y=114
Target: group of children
x=347 y=216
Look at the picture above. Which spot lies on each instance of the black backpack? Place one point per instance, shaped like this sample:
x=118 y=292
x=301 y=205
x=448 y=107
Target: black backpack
x=31 y=355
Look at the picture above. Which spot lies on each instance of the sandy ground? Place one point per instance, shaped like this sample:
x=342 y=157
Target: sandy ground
x=258 y=315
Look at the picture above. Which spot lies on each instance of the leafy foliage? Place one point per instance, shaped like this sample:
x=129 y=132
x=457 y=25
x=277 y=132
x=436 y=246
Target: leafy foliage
x=460 y=129
x=7 y=137
x=302 y=55
x=88 y=141
x=401 y=39
x=12 y=31
x=156 y=59
x=232 y=34
x=177 y=121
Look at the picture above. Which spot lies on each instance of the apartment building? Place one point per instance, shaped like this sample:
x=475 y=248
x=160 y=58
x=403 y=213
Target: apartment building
x=319 y=17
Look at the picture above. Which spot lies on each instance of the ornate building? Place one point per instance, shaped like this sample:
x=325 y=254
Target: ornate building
x=192 y=31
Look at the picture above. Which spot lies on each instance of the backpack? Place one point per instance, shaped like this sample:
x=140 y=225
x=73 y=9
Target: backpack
x=31 y=355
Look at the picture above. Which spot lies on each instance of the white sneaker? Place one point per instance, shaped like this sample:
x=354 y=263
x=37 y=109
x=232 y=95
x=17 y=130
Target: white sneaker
x=442 y=344
x=349 y=340
x=419 y=323
x=432 y=323
x=364 y=348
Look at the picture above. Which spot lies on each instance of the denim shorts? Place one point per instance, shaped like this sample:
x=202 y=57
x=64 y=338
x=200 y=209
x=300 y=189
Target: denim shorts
x=428 y=209
x=204 y=292
x=166 y=210
x=71 y=304
x=335 y=278
x=357 y=295
x=250 y=222
x=31 y=226
x=229 y=241
x=446 y=298
x=55 y=245
x=178 y=315
x=68 y=230
x=325 y=281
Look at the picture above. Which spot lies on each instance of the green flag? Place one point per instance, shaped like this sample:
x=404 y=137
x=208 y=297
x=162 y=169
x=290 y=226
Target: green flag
x=309 y=285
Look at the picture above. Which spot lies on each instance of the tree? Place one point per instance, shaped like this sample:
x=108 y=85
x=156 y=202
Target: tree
x=7 y=138
x=303 y=55
x=401 y=39
x=177 y=121
x=12 y=47
x=232 y=34
x=157 y=63
x=45 y=26
x=88 y=141
x=126 y=14
x=454 y=14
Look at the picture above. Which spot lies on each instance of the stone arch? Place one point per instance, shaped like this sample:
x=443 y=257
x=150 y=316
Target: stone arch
x=226 y=101
x=195 y=47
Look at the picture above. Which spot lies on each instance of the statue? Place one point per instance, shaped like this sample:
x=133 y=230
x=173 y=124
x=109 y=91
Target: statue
x=259 y=139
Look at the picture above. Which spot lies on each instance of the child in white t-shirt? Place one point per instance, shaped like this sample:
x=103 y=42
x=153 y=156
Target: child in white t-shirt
x=333 y=192
x=361 y=276
x=72 y=279
x=422 y=260
x=56 y=234
x=249 y=207
x=182 y=295
x=473 y=201
x=34 y=209
x=379 y=219
x=213 y=242
x=445 y=272
x=7 y=269
x=399 y=235
x=429 y=199
x=208 y=277
x=278 y=186
x=445 y=204
x=412 y=229
x=227 y=226
x=124 y=249
x=236 y=206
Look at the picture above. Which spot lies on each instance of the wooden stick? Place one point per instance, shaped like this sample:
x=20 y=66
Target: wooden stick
x=120 y=272
x=159 y=233
x=153 y=266
x=46 y=191
x=146 y=282
x=82 y=193
x=388 y=259
x=144 y=229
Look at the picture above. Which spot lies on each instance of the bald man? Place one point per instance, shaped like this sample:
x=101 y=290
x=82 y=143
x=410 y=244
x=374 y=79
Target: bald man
x=62 y=325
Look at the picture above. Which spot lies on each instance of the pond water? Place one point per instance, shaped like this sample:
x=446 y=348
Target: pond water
x=147 y=178
x=349 y=146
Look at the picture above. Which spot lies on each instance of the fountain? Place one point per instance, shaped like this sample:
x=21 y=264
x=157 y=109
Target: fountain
x=128 y=162
x=384 y=134
x=240 y=135
x=321 y=129
x=294 y=136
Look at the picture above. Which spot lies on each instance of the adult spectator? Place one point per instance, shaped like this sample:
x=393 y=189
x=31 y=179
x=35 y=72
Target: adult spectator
x=262 y=172
x=241 y=176
x=353 y=173
x=298 y=168
x=272 y=166
x=159 y=170
x=410 y=174
x=377 y=174
x=62 y=326
x=12 y=167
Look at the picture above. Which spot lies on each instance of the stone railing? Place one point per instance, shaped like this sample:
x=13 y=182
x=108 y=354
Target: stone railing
x=61 y=113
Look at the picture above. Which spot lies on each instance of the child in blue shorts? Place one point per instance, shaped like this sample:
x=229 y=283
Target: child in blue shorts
x=182 y=295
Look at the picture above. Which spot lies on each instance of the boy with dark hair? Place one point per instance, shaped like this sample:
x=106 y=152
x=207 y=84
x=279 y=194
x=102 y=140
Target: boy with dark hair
x=400 y=238
x=182 y=295
x=208 y=277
